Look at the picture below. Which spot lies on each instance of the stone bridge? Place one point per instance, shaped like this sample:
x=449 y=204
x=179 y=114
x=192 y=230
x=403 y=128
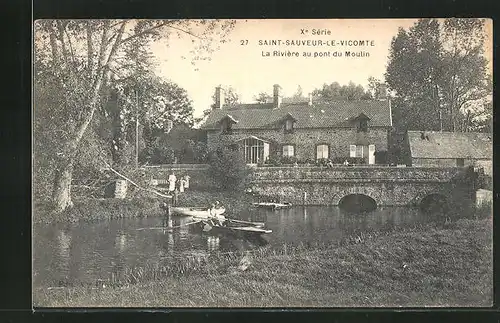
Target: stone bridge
x=386 y=186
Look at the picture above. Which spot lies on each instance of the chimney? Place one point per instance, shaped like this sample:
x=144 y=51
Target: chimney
x=381 y=92
x=219 y=97
x=310 y=99
x=277 y=95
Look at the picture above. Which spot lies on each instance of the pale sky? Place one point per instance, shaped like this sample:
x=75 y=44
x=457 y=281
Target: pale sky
x=245 y=69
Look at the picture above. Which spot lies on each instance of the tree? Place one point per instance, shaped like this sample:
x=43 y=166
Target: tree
x=334 y=91
x=435 y=70
x=465 y=79
x=263 y=97
x=75 y=59
x=228 y=168
x=230 y=96
x=373 y=86
x=298 y=92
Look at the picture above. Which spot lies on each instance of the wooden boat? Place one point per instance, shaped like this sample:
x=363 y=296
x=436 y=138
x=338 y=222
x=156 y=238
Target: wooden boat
x=198 y=212
x=232 y=228
x=272 y=205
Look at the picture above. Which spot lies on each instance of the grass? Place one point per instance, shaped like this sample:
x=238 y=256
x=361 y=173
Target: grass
x=450 y=265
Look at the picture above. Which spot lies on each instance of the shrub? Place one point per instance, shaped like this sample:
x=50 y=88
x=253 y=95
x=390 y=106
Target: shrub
x=228 y=169
x=274 y=160
x=287 y=160
x=350 y=160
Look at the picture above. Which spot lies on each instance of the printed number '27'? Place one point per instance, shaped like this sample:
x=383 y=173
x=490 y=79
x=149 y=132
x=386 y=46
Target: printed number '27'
x=244 y=42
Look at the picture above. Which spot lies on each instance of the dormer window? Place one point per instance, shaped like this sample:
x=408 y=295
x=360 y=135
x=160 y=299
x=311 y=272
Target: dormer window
x=227 y=128
x=226 y=124
x=361 y=122
x=288 y=122
x=363 y=126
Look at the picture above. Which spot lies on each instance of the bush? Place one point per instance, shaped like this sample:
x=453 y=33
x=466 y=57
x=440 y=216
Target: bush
x=350 y=160
x=288 y=160
x=228 y=169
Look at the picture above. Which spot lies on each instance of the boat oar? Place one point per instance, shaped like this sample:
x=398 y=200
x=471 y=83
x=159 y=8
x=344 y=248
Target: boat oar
x=261 y=224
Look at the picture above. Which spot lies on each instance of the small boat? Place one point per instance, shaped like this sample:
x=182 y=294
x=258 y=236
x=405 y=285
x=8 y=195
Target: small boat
x=232 y=228
x=198 y=212
x=272 y=205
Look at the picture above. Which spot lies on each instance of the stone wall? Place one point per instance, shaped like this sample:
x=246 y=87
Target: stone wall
x=305 y=140
x=452 y=162
x=362 y=173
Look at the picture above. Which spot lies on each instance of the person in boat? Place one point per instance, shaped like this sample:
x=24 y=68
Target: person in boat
x=186 y=183
x=211 y=210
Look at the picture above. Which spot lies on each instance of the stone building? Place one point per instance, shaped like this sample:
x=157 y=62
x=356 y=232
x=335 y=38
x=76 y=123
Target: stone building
x=437 y=149
x=307 y=130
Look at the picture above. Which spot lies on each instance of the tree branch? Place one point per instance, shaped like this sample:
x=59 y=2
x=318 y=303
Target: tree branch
x=90 y=51
x=165 y=24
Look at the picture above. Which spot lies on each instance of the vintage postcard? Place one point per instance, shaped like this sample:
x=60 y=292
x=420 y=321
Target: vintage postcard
x=262 y=163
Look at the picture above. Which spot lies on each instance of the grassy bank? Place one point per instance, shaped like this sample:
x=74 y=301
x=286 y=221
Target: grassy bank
x=92 y=209
x=450 y=265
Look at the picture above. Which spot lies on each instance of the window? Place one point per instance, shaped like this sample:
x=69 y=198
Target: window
x=460 y=162
x=322 y=151
x=352 y=151
x=288 y=151
x=253 y=150
x=227 y=127
x=355 y=151
x=289 y=125
x=363 y=126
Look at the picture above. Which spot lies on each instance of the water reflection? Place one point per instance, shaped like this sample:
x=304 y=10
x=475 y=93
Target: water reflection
x=90 y=251
x=121 y=240
x=213 y=243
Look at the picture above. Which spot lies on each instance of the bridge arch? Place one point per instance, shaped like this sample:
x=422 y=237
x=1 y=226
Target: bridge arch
x=357 y=202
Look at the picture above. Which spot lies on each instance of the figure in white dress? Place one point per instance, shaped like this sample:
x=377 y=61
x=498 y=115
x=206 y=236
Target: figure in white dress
x=182 y=183
x=171 y=182
x=186 y=178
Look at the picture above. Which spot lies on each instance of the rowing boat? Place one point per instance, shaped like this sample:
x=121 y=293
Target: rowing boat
x=198 y=212
x=232 y=228
x=272 y=205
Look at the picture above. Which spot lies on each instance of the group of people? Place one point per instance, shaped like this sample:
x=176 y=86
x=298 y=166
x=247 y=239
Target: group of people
x=179 y=185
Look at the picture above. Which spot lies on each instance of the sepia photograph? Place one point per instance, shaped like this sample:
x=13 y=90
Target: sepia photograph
x=262 y=163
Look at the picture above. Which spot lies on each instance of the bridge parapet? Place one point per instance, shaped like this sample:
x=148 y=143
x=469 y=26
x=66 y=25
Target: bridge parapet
x=355 y=173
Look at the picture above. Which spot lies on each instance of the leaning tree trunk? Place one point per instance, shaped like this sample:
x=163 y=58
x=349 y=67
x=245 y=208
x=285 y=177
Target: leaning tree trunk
x=61 y=196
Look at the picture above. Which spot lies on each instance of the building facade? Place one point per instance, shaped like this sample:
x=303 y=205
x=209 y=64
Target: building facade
x=306 y=130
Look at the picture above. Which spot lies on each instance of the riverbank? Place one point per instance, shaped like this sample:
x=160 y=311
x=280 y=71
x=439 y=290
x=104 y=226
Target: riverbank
x=429 y=265
x=93 y=209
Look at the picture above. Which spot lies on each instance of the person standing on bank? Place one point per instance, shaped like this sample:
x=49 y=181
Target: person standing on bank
x=182 y=184
x=186 y=178
x=171 y=182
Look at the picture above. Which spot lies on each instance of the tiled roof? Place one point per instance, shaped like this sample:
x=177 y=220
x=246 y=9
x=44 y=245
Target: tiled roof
x=319 y=115
x=451 y=145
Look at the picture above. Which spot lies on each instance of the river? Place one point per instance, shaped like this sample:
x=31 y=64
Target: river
x=74 y=253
